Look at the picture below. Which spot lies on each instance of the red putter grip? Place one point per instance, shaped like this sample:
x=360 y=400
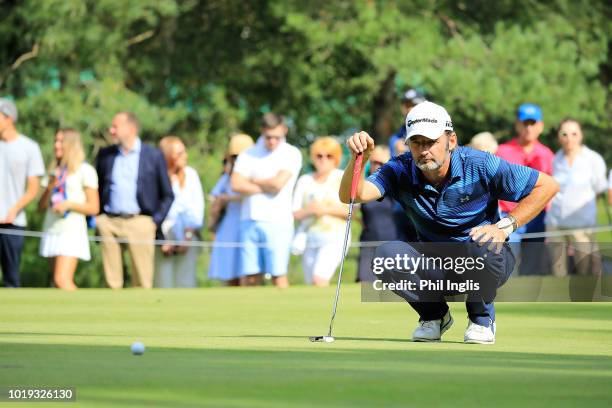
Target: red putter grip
x=356 y=175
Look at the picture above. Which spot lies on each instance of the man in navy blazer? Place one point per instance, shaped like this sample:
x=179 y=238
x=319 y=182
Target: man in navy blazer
x=135 y=196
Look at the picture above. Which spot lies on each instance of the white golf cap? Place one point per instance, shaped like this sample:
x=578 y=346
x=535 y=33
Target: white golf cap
x=427 y=119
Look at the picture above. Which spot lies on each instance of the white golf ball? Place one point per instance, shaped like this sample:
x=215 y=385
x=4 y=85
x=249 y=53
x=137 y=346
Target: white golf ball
x=137 y=348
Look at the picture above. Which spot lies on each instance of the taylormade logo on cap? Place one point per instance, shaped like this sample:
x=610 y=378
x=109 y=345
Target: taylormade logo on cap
x=429 y=120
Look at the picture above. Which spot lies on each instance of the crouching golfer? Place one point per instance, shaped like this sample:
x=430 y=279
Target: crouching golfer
x=450 y=192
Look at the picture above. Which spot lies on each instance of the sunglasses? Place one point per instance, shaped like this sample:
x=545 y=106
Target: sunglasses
x=320 y=156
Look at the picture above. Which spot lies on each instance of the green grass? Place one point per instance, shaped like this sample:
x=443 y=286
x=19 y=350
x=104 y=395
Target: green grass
x=249 y=347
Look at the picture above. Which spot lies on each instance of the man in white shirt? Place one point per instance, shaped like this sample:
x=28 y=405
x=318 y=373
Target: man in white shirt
x=266 y=174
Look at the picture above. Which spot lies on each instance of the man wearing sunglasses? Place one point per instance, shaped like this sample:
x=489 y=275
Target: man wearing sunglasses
x=525 y=149
x=266 y=174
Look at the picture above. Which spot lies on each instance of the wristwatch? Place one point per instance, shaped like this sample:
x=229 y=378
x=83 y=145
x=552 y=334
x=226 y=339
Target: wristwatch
x=507 y=224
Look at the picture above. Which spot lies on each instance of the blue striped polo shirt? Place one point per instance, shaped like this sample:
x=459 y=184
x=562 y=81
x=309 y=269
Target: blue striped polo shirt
x=469 y=198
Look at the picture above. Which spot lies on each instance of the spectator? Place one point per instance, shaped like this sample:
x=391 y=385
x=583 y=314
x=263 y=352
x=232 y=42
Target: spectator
x=225 y=218
x=378 y=221
x=21 y=166
x=175 y=265
x=409 y=100
x=317 y=207
x=526 y=150
x=581 y=173
x=266 y=174
x=135 y=196
x=70 y=195
x=484 y=141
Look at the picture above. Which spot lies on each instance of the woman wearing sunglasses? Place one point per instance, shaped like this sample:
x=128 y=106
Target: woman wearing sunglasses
x=581 y=174
x=322 y=216
x=175 y=265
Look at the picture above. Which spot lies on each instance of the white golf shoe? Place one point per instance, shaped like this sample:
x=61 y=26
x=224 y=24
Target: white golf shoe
x=477 y=334
x=432 y=330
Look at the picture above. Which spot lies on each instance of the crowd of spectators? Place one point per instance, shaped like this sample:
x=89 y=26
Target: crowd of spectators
x=135 y=194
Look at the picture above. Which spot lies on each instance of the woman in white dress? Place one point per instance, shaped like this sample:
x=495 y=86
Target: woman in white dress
x=322 y=217
x=175 y=265
x=71 y=194
x=225 y=218
x=581 y=174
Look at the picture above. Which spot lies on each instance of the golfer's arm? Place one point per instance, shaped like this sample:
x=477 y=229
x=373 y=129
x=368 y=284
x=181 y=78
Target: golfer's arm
x=243 y=185
x=366 y=191
x=531 y=205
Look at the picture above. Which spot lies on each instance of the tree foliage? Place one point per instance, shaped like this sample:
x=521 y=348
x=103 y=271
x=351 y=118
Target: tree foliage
x=207 y=68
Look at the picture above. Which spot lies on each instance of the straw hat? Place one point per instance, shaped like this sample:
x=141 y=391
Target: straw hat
x=239 y=143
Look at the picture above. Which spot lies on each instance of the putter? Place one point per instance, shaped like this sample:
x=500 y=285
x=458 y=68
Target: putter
x=354 y=183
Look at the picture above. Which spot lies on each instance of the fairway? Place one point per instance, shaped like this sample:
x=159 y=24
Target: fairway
x=249 y=347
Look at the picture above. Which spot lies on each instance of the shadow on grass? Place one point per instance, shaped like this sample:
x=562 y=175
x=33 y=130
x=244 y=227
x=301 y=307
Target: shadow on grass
x=280 y=376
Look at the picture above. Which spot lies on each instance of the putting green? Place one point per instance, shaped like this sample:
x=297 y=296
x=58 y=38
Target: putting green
x=249 y=347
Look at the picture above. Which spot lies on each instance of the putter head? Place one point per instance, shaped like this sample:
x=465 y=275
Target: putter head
x=322 y=339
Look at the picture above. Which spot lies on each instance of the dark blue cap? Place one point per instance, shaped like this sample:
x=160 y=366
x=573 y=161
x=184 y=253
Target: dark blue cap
x=529 y=111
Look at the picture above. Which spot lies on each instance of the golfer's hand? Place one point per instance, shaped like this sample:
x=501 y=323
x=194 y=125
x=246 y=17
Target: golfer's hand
x=489 y=234
x=361 y=142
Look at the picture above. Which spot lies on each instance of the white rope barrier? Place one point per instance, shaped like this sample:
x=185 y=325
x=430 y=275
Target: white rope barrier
x=210 y=244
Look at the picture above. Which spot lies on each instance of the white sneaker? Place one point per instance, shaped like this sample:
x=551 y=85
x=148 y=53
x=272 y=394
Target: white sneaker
x=432 y=330
x=477 y=334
